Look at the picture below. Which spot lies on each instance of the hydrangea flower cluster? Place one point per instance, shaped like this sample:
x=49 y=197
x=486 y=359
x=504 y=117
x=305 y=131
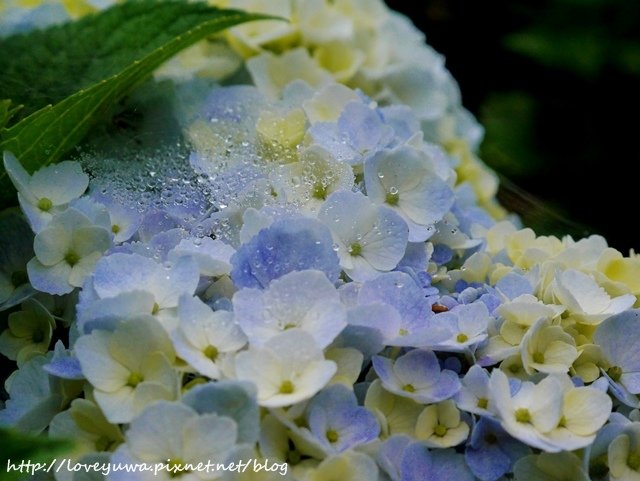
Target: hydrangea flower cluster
x=320 y=275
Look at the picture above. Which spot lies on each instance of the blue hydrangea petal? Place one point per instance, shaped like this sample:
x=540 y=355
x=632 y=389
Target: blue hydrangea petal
x=287 y=245
x=234 y=399
x=618 y=337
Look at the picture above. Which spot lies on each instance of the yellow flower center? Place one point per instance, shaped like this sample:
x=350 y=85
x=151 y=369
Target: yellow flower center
x=134 y=379
x=355 y=249
x=440 y=430
x=211 y=352
x=45 y=204
x=71 y=258
x=615 y=373
x=286 y=387
x=538 y=358
x=332 y=436
x=176 y=467
x=392 y=197
x=319 y=191
x=523 y=415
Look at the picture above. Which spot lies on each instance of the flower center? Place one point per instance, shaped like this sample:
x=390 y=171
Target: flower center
x=538 y=358
x=286 y=387
x=71 y=258
x=462 y=337
x=523 y=415
x=176 y=467
x=440 y=430
x=355 y=249
x=319 y=191
x=615 y=373
x=408 y=388
x=332 y=436
x=115 y=228
x=135 y=378
x=45 y=204
x=392 y=196
x=155 y=309
x=482 y=403
x=211 y=352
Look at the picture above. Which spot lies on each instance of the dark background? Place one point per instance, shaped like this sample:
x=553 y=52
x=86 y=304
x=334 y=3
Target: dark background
x=555 y=84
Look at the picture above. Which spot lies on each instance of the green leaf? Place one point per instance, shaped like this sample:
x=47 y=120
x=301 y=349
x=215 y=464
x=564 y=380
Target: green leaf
x=44 y=67
x=18 y=447
x=6 y=112
x=109 y=54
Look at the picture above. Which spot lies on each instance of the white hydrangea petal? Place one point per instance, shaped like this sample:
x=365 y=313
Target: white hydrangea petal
x=315 y=376
x=120 y=273
x=427 y=204
x=348 y=215
x=87 y=240
x=124 y=457
x=253 y=221
x=295 y=348
x=303 y=299
x=359 y=269
x=52 y=245
x=272 y=73
x=586 y=410
x=147 y=437
x=473 y=318
x=263 y=368
x=321 y=23
x=126 y=305
x=546 y=404
x=83 y=269
x=580 y=292
x=97 y=364
x=37 y=218
x=386 y=243
x=181 y=279
x=560 y=354
x=212 y=255
x=18 y=175
x=60 y=183
x=193 y=356
x=147 y=393
x=327 y=104
x=209 y=437
x=136 y=339
x=50 y=279
x=619 y=304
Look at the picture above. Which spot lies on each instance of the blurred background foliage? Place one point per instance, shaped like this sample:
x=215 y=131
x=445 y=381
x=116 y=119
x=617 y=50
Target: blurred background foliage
x=556 y=84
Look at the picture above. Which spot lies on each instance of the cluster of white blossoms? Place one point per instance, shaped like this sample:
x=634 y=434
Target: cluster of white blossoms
x=318 y=275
